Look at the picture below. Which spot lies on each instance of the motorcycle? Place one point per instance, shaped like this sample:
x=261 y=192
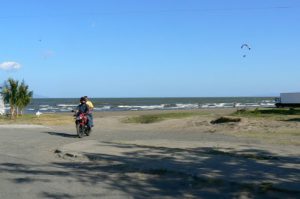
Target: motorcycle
x=82 y=128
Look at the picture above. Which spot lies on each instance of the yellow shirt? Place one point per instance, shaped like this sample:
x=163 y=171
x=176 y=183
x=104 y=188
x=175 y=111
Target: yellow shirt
x=90 y=104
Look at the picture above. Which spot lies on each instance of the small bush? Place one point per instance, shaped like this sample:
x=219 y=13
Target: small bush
x=241 y=111
x=146 y=119
x=225 y=120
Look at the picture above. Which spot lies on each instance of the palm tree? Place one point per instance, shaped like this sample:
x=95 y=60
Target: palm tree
x=10 y=94
x=24 y=97
x=17 y=95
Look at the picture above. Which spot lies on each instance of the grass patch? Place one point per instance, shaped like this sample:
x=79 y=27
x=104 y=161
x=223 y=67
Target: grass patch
x=152 y=118
x=45 y=119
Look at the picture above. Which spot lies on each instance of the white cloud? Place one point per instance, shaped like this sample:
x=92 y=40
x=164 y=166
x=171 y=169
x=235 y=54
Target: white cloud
x=10 y=65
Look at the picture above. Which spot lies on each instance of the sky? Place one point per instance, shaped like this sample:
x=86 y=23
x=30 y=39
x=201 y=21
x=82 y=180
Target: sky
x=151 y=48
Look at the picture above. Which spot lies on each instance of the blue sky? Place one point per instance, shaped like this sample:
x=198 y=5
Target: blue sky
x=151 y=48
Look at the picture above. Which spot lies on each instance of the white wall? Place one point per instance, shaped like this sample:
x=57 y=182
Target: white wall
x=2 y=108
x=290 y=98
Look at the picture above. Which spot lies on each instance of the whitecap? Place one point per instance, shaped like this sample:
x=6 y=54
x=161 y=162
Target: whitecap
x=209 y=106
x=44 y=105
x=187 y=106
x=67 y=105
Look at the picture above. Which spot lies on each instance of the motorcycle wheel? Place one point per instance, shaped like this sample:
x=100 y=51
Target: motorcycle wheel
x=80 y=130
x=88 y=131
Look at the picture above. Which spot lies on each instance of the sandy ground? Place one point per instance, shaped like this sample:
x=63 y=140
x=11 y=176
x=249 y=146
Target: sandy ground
x=177 y=158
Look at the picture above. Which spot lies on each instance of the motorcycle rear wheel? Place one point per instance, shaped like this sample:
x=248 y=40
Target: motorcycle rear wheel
x=80 y=130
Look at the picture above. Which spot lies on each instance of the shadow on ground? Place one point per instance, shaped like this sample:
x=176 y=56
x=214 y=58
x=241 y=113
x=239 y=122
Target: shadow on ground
x=160 y=172
x=67 y=135
x=292 y=120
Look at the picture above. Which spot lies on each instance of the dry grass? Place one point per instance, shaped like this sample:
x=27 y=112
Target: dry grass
x=45 y=119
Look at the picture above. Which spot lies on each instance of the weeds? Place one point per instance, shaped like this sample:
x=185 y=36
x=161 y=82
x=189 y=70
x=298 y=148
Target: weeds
x=45 y=119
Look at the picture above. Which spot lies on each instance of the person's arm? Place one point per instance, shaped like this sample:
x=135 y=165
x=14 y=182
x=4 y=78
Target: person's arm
x=77 y=110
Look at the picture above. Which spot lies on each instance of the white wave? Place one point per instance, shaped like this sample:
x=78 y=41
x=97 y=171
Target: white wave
x=209 y=106
x=64 y=110
x=53 y=108
x=240 y=105
x=268 y=101
x=187 y=106
x=102 y=108
x=67 y=105
x=44 y=106
x=150 y=107
x=252 y=105
x=267 y=105
x=218 y=105
x=228 y=105
x=124 y=106
x=170 y=105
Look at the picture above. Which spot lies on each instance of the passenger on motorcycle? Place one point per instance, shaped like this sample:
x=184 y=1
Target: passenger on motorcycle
x=83 y=108
x=91 y=107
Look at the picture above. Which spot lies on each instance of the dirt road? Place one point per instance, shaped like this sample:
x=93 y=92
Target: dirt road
x=142 y=161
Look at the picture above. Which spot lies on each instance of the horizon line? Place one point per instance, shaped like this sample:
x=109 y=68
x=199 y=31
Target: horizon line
x=260 y=96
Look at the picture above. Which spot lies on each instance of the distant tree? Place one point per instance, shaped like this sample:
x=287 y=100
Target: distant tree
x=17 y=95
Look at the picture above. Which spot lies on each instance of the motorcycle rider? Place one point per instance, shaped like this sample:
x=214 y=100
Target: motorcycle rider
x=83 y=108
x=91 y=107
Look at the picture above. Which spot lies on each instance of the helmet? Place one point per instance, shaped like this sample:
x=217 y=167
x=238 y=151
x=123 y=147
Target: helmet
x=82 y=99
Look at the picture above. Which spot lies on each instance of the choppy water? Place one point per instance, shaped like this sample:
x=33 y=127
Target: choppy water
x=50 y=105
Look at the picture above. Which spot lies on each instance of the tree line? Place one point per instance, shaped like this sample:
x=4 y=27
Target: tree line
x=17 y=95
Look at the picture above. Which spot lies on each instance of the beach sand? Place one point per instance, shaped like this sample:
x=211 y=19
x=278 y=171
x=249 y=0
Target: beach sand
x=256 y=130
